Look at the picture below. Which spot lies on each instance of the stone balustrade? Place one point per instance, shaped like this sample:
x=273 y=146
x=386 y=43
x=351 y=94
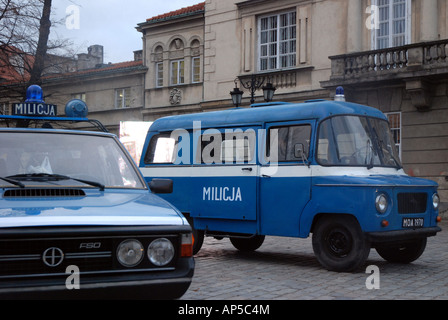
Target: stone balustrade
x=397 y=60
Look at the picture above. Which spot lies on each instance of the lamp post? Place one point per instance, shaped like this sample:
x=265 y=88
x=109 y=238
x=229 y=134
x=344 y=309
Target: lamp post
x=252 y=85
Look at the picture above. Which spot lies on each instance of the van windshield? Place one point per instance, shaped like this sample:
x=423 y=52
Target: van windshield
x=356 y=141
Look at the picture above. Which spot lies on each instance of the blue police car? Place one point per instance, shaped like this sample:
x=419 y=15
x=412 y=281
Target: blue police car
x=77 y=219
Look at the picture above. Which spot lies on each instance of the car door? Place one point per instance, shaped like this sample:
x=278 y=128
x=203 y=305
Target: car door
x=227 y=183
x=285 y=177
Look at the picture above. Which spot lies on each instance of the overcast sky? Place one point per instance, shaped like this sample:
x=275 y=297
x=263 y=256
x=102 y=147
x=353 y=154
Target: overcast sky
x=110 y=23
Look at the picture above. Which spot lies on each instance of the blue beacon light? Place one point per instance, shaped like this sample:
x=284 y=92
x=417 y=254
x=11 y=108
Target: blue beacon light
x=34 y=94
x=76 y=108
x=340 y=96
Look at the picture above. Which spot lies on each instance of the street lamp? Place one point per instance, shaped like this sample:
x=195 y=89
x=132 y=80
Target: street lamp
x=268 y=92
x=237 y=95
x=253 y=85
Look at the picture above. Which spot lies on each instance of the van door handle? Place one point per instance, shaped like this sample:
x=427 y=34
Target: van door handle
x=246 y=169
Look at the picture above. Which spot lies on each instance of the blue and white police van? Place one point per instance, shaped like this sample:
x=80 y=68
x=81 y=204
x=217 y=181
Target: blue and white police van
x=326 y=168
x=77 y=219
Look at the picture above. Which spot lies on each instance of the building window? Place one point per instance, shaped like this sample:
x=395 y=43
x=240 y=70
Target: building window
x=80 y=96
x=395 y=127
x=393 y=23
x=122 y=98
x=196 y=69
x=177 y=72
x=159 y=74
x=277 y=41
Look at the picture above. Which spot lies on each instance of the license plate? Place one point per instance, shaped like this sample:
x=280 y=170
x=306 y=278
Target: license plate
x=413 y=222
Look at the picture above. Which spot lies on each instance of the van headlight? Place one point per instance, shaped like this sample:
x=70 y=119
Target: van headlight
x=130 y=253
x=435 y=201
x=381 y=203
x=161 y=252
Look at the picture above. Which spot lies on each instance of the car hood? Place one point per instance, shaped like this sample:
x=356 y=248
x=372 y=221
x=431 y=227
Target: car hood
x=110 y=208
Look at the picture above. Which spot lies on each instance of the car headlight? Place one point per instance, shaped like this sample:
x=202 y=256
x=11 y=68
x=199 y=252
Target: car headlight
x=381 y=203
x=435 y=201
x=130 y=253
x=161 y=252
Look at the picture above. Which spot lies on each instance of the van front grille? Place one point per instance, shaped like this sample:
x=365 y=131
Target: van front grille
x=412 y=202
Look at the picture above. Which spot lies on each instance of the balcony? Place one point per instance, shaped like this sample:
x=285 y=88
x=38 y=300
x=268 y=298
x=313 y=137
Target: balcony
x=416 y=65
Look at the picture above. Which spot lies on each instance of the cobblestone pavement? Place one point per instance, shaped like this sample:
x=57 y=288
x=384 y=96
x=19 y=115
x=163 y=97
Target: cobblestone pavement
x=286 y=269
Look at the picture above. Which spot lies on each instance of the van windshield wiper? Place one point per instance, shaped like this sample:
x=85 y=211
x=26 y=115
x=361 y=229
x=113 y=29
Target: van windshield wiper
x=48 y=176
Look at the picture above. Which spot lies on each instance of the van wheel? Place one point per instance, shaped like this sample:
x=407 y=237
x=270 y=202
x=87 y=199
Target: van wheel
x=198 y=236
x=402 y=253
x=339 y=243
x=247 y=244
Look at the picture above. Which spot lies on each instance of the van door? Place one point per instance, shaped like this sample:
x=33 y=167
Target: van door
x=226 y=160
x=285 y=177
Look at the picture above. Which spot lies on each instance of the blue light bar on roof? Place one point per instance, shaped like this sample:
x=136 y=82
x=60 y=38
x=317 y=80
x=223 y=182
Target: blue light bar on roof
x=34 y=104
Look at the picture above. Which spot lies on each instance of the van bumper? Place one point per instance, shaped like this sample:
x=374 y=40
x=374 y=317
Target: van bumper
x=401 y=235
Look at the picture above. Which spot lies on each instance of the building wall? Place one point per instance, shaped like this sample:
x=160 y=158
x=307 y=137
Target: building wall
x=165 y=42
x=100 y=95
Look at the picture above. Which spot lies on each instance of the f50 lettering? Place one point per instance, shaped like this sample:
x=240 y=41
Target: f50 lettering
x=90 y=245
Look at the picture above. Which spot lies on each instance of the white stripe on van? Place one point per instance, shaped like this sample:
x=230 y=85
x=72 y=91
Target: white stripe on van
x=262 y=171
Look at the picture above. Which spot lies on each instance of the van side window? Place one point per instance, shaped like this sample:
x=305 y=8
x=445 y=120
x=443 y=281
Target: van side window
x=161 y=149
x=231 y=147
x=292 y=143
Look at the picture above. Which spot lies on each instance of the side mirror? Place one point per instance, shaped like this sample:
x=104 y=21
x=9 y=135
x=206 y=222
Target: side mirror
x=161 y=185
x=299 y=151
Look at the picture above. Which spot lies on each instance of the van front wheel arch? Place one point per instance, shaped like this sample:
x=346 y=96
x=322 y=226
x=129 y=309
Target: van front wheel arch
x=339 y=243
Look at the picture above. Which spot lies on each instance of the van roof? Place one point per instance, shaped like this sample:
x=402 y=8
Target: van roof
x=271 y=112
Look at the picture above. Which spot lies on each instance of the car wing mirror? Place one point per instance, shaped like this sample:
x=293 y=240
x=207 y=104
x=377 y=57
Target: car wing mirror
x=161 y=185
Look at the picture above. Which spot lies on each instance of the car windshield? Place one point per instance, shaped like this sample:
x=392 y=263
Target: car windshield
x=65 y=159
x=356 y=141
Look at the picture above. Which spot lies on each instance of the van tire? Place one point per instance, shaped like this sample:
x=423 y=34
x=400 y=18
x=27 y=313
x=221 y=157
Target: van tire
x=339 y=243
x=247 y=244
x=402 y=253
x=198 y=235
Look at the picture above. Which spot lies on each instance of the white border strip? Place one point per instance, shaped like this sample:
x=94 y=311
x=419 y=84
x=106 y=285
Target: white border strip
x=281 y=171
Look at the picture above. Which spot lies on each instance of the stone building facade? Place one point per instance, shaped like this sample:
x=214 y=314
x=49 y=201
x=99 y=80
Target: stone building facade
x=391 y=55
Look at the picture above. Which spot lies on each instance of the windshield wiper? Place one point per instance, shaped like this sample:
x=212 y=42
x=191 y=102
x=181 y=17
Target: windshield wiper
x=12 y=181
x=48 y=176
x=369 y=147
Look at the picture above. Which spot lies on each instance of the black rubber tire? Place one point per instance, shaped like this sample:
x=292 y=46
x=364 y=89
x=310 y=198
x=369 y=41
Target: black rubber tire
x=198 y=236
x=339 y=243
x=247 y=244
x=402 y=253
